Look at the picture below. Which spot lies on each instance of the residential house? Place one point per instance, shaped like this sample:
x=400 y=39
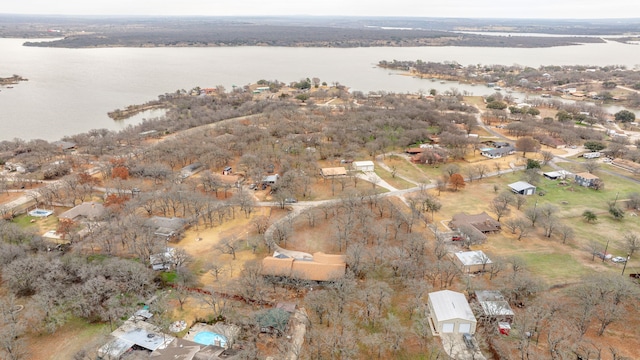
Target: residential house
x=163 y=261
x=497 y=150
x=414 y=151
x=586 y=179
x=626 y=165
x=86 y=211
x=473 y=261
x=321 y=266
x=522 y=188
x=64 y=145
x=365 y=166
x=134 y=333
x=270 y=180
x=167 y=228
x=333 y=172
x=555 y=175
x=450 y=313
x=494 y=306
x=481 y=224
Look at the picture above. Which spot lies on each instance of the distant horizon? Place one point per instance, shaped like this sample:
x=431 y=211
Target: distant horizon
x=312 y=16
x=461 y=9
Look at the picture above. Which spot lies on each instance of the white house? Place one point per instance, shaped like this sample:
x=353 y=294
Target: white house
x=473 y=261
x=366 y=165
x=449 y=312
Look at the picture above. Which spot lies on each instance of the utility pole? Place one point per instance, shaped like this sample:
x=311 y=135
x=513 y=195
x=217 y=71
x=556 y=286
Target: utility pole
x=625 y=264
x=604 y=255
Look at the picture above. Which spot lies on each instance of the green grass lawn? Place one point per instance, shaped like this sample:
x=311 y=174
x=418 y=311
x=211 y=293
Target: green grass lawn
x=557 y=263
x=40 y=223
x=555 y=267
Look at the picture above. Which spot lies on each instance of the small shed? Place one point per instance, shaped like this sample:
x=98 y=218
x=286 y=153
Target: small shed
x=366 y=165
x=473 y=261
x=450 y=313
x=522 y=188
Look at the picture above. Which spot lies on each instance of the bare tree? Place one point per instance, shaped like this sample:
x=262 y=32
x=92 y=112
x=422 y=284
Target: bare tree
x=547 y=156
x=591 y=166
x=631 y=243
x=228 y=246
x=566 y=233
x=216 y=269
x=481 y=170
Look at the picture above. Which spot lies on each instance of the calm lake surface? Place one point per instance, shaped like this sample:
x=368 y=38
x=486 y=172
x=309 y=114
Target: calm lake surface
x=71 y=90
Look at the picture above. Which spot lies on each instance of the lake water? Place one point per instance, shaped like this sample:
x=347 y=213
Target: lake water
x=71 y=90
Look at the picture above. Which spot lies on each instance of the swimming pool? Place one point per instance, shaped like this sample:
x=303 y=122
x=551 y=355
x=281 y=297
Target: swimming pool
x=40 y=212
x=210 y=338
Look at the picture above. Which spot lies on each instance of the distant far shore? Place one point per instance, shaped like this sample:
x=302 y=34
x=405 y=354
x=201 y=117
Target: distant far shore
x=12 y=80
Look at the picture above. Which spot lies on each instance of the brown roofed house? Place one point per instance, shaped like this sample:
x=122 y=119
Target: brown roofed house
x=333 y=172
x=481 y=223
x=323 y=267
x=87 y=210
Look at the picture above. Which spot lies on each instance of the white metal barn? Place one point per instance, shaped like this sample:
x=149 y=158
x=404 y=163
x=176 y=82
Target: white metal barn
x=449 y=312
x=366 y=165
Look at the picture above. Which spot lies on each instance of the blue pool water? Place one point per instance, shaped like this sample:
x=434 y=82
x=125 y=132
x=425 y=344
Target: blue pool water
x=40 y=213
x=210 y=338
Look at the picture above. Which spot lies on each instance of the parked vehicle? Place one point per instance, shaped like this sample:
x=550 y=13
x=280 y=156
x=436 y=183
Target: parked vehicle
x=604 y=256
x=619 y=259
x=456 y=238
x=468 y=340
x=290 y=201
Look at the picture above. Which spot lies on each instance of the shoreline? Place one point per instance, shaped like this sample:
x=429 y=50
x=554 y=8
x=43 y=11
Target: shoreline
x=12 y=80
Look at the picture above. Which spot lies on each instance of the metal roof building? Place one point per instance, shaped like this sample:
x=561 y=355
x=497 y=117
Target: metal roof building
x=523 y=188
x=473 y=261
x=449 y=312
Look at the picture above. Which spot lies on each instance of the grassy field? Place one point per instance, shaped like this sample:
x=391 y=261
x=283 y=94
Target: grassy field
x=552 y=261
x=396 y=181
x=406 y=169
x=40 y=224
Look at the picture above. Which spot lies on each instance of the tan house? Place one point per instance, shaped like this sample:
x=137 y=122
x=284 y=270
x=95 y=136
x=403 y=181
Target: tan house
x=322 y=267
x=450 y=313
x=333 y=172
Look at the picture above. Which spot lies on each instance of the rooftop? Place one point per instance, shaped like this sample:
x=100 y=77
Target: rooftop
x=90 y=210
x=493 y=303
x=586 y=175
x=521 y=185
x=321 y=267
x=334 y=171
x=476 y=257
x=449 y=305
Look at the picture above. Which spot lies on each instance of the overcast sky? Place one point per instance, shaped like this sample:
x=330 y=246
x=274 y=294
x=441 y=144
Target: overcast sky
x=579 y=9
